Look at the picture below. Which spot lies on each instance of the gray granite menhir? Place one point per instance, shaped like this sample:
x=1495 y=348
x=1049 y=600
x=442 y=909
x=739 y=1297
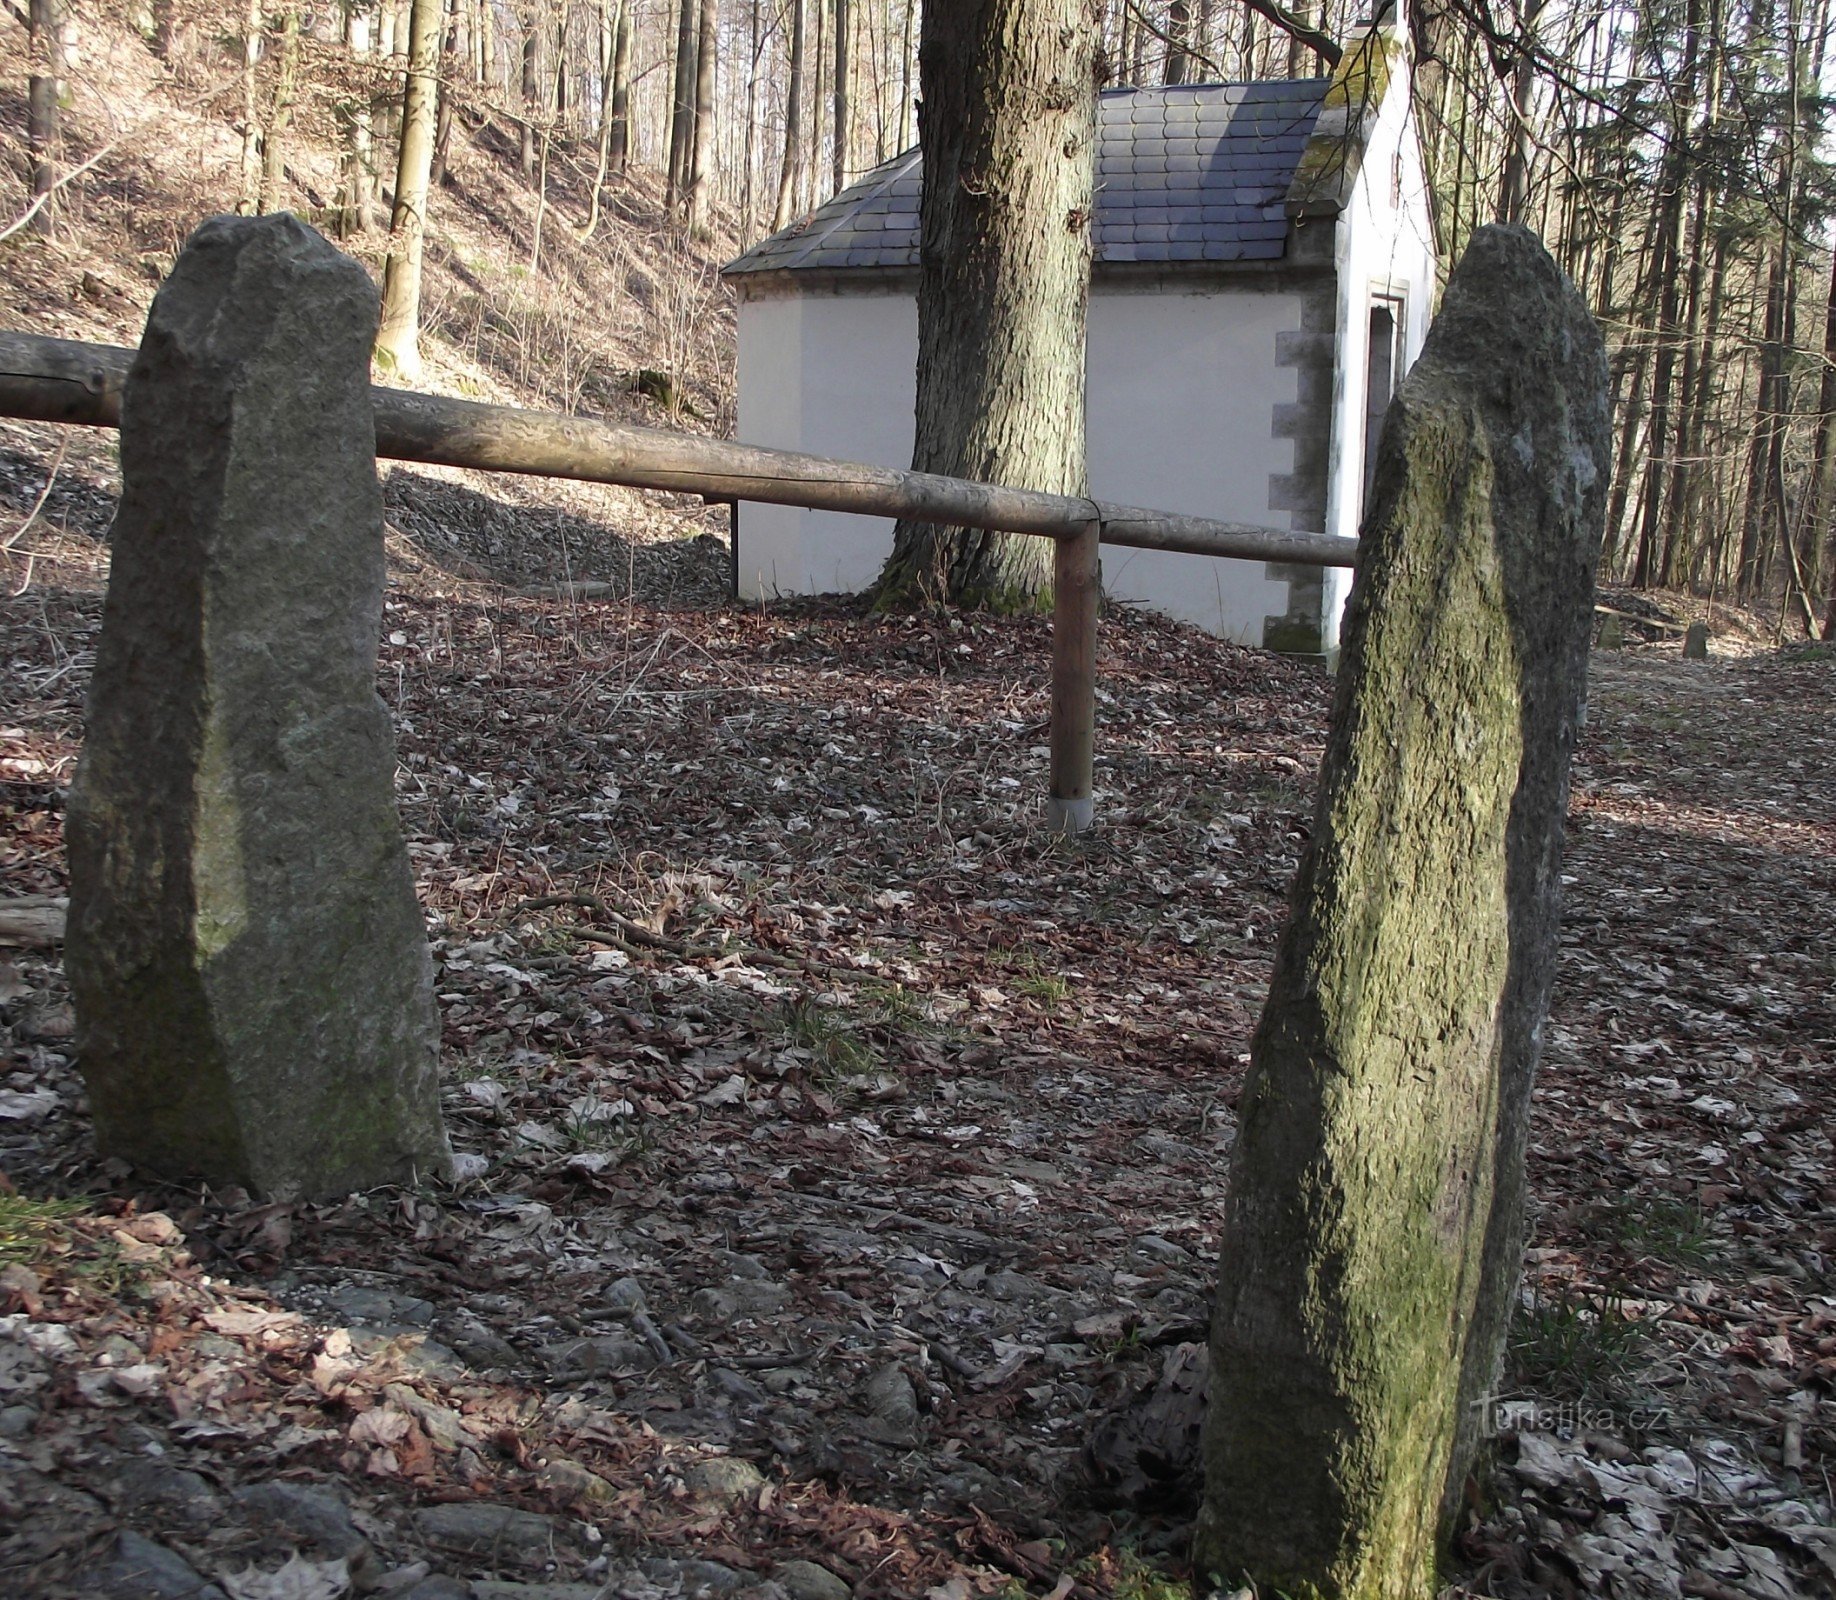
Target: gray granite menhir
x=249 y=963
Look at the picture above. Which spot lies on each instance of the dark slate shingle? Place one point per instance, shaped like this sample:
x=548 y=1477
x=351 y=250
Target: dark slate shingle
x=1193 y=173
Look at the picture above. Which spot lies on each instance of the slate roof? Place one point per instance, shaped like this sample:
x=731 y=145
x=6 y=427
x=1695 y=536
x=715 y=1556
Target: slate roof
x=1195 y=173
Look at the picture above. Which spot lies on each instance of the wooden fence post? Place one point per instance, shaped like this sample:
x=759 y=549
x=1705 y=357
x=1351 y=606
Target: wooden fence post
x=1075 y=569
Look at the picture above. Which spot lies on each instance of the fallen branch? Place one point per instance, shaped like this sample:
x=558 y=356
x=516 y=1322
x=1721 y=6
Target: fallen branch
x=35 y=921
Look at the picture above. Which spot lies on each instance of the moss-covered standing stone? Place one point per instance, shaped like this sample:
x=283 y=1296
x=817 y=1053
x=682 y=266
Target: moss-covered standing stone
x=249 y=964
x=1371 y=1238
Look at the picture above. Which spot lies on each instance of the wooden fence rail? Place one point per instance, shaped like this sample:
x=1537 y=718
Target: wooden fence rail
x=61 y=380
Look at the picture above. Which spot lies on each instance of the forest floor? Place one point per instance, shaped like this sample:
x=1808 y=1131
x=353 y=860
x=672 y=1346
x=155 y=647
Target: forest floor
x=841 y=1156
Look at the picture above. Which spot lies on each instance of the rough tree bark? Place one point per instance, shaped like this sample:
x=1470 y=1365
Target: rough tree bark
x=682 y=102
x=843 y=63
x=357 y=187
x=620 y=146
x=790 y=174
x=532 y=95
x=45 y=45
x=1007 y=123
x=398 y=340
x=701 y=143
x=1179 y=27
x=248 y=191
x=1371 y=1239
x=280 y=115
x=609 y=34
x=448 y=87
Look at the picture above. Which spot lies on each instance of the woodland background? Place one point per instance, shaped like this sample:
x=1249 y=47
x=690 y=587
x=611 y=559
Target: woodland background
x=1674 y=155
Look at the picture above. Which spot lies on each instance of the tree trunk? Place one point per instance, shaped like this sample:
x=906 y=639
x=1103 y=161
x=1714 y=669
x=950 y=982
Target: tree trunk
x=609 y=26
x=532 y=95
x=682 y=105
x=701 y=153
x=398 y=341
x=790 y=174
x=1520 y=145
x=45 y=45
x=248 y=193
x=1007 y=123
x=445 y=90
x=561 y=74
x=843 y=73
x=1663 y=365
x=1820 y=502
x=905 y=76
x=357 y=190
x=619 y=149
x=1698 y=333
x=1300 y=62
x=749 y=165
x=1179 y=26
x=1371 y=1241
x=1768 y=425
x=280 y=116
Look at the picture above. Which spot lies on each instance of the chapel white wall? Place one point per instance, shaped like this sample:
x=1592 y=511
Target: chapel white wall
x=1384 y=245
x=1182 y=390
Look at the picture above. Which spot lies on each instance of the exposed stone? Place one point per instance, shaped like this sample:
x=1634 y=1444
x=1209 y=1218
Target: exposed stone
x=17 y=1421
x=1695 y=642
x=747 y=1268
x=381 y=1308
x=735 y=1386
x=479 y=1527
x=695 y=1579
x=805 y=1580
x=1612 y=635
x=19 y=1288
x=149 y=1485
x=742 y=1297
x=316 y=1515
x=725 y=1478
x=486 y=1589
x=626 y=1294
x=573 y=1480
x=476 y=1343
x=892 y=1404
x=607 y=1352
x=139 y=1569
x=247 y=956
x=440 y=1587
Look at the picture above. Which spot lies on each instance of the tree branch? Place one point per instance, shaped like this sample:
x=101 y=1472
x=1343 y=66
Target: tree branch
x=1299 y=29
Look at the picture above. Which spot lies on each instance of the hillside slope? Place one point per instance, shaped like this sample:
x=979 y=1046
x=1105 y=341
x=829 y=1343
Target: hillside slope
x=519 y=308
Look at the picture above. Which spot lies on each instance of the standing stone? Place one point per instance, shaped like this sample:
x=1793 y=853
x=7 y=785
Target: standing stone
x=249 y=964
x=1372 y=1231
x=1695 y=642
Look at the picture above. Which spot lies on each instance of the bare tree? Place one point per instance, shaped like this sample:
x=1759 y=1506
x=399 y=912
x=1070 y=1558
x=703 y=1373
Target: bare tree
x=357 y=184
x=248 y=194
x=790 y=174
x=531 y=84
x=398 y=340
x=701 y=149
x=843 y=63
x=280 y=114
x=45 y=45
x=682 y=106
